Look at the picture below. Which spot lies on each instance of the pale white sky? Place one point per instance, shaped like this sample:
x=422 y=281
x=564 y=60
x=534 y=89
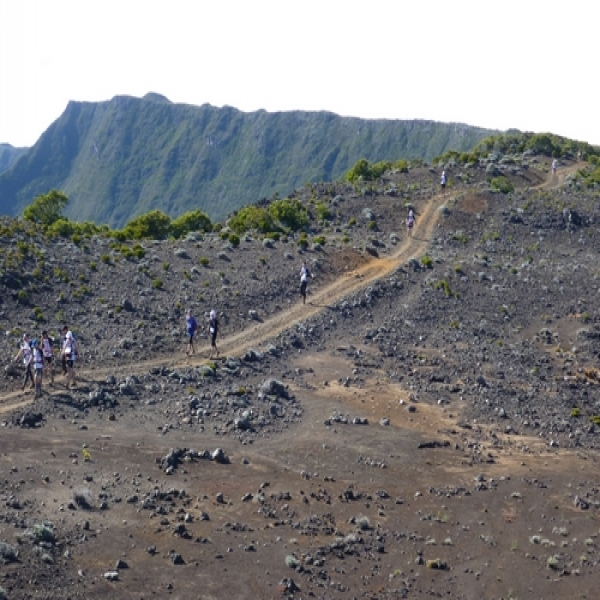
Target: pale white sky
x=528 y=64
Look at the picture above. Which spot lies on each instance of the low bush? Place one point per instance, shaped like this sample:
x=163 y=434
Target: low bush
x=502 y=184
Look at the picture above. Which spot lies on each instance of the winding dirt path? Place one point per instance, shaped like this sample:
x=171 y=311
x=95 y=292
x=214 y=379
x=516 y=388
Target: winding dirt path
x=259 y=333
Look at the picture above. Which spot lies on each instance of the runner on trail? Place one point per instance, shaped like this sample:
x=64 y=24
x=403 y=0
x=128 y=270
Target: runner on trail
x=213 y=330
x=304 y=275
x=443 y=182
x=69 y=352
x=191 y=326
x=63 y=358
x=554 y=166
x=38 y=366
x=48 y=353
x=410 y=222
x=25 y=352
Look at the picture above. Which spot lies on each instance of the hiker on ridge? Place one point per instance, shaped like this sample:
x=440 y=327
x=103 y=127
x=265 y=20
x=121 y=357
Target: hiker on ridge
x=443 y=182
x=554 y=166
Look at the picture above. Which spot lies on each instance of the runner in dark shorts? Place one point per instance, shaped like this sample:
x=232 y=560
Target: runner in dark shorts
x=213 y=330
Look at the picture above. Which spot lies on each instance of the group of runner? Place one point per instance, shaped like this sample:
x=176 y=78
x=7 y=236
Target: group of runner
x=38 y=358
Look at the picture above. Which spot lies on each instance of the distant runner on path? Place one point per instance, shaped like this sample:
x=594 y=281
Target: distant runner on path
x=69 y=352
x=191 y=326
x=25 y=352
x=38 y=366
x=48 y=353
x=443 y=182
x=213 y=330
x=304 y=275
x=410 y=222
x=554 y=166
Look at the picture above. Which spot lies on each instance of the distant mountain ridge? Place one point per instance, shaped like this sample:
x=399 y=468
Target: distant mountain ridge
x=123 y=157
x=9 y=156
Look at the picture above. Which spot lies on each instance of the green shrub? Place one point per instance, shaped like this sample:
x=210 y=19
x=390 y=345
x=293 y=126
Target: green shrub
x=203 y=260
x=401 y=165
x=252 y=217
x=46 y=209
x=154 y=225
x=138 y=251
x=352 y=222
x=105 y=258
x=442 y=284
x=234 y=239
x=303 y=242
x=194 y=220
x=372 y=225
x=166 y=266
x=319 y=239
x=292 y=214
x=323 y=212
x=502 y=184
x=427 y=262
x=157 y=284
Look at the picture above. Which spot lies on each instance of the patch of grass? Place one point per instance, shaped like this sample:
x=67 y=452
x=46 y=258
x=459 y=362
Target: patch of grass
x=442 y=284
x=157 y=284
x=459 y=236
x=427 y=262
x=204 y=261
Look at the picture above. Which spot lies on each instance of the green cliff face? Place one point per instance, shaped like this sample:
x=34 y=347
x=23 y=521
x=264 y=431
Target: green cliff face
x=127 y=156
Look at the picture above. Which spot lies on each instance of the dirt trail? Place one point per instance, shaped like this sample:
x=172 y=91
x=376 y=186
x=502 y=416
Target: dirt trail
x=261 y=332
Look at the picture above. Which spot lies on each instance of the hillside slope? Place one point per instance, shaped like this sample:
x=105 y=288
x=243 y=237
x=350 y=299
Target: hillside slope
x=126 y=156
x=9 y=156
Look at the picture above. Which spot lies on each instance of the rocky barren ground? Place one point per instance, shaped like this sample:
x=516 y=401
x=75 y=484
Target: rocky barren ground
x=426 y=426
